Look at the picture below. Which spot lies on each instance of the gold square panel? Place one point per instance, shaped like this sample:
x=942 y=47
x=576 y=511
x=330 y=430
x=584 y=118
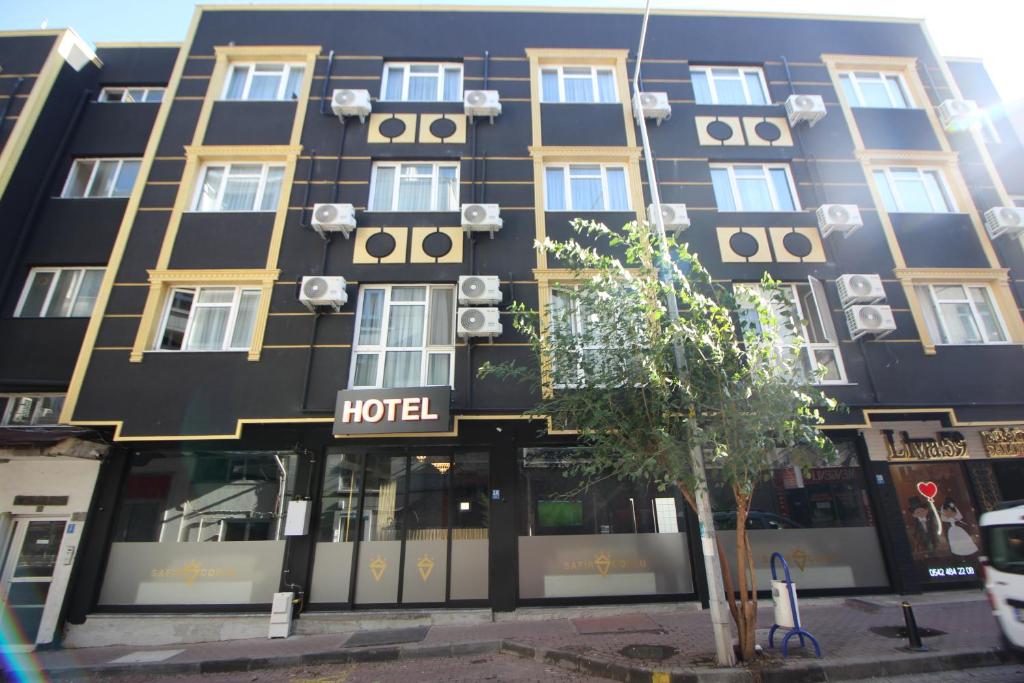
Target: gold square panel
x=457 y=135
x=705 y=137
x=418 y=250
x=405 y=135
x=727 y=245
x=767 y=131
x=369 y=245
x=797 y=245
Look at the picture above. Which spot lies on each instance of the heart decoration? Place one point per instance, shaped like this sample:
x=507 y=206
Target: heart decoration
x=928 y=489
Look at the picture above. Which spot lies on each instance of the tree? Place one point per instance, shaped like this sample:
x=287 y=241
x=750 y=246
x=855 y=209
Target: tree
x=604 y=347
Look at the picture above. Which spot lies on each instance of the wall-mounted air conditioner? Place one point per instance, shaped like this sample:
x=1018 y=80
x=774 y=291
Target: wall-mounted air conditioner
x=478 y=322
x=873 y=319
x=958 y=115
x=323 y=290
x=654 y=105
x=809 y=108
x=481 y=218
x=334 y=218
x=479 y=290
x=1004 y=220
x=841 y=218
x=481 y=103
x=860 y=288
x=346 y=102
x=674 y=216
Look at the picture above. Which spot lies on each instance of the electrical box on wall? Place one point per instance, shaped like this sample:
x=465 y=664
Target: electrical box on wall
x=297 y=520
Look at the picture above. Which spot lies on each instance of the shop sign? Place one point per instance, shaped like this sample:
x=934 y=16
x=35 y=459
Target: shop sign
x=1005 y=442
x=947 y=446
x=393 y=411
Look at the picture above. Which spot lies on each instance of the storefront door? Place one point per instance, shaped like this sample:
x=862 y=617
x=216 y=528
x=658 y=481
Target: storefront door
x=27 y=574
x=403 y=528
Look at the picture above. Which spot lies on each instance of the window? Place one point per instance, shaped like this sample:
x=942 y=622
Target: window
x=59 y=293
x=208 y=319
x=914 y=190
x=876 y=89
x=754 y=187
x=989 y=132
x=573 y=317
x=101 y=178
x=728 y=85
x=30 y=411
x=137 y=94
x=420 y=186
x=577 y=84
x=961 y=314
x=809 y=322
x=422 y=82
x=264 y=82
x=405 y=336
x=239 y=187
x=585 y=187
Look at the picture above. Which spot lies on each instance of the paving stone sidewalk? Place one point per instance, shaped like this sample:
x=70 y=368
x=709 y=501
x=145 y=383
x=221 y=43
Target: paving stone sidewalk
x=857 y=637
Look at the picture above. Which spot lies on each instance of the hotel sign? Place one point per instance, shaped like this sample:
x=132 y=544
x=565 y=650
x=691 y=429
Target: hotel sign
x=393 y=411
x=1005 y=442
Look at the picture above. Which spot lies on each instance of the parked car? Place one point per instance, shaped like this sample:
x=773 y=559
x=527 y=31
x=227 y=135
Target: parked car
x=755 y=520
x=1002 y=533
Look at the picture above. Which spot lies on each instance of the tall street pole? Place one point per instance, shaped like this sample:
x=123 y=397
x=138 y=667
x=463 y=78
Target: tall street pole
x=712 y=563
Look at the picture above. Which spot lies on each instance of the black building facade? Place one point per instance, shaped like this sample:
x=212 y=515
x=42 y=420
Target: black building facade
x=217 y=388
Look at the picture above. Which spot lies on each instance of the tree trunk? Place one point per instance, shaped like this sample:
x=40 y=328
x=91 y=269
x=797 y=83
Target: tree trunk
x=746 y=625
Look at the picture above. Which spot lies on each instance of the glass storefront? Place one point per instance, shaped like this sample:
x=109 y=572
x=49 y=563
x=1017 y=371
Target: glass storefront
x=415 y=525
x=200 y=528
x=599 y=538
x=818 y=517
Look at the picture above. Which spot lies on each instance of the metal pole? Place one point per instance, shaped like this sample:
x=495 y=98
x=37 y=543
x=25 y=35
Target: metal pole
x=712 y=563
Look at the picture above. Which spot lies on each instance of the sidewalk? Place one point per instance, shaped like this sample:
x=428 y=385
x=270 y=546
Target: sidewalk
x=591 y=641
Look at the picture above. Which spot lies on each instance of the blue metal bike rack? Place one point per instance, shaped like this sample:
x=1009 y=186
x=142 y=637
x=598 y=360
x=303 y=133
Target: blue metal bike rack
x=797 y=630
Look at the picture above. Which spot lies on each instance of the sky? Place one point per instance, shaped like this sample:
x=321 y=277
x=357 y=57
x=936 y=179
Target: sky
x=986 y=29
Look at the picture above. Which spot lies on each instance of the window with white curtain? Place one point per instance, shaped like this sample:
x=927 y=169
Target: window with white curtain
x=805 y=327
x=101 y=178
x=729 y=85
x=414 y=186
x=914 y=190
x=585 y=187
x=208 y=319
x=578 y=84
x=131 y=94
x=422 y=82
x=575 y=319
x=59 y=293
x=274 y=81
x=239 y=187
x=30 y=410
x=405 y=336
x=754 y=187
x=961 y=314
x=875 y=89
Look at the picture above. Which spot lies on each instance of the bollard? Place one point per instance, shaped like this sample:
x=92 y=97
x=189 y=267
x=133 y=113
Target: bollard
x=914 y=643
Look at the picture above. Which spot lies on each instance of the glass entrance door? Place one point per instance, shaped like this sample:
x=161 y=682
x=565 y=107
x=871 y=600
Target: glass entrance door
x=409 y=528
x=28 y=572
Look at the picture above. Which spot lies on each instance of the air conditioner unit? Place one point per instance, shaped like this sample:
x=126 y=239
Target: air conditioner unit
x=860 y=288
x=478 y=322
x=674 y=216
x=345 y=102
x=481 y=218
x=479 y=290
x=958 y=115
x=873 y=319
x=334 y=218
x=654 y=105
x=809 y=108
x=481 y=103
x=323 y=290
x=842 y=218
x=1003 y=220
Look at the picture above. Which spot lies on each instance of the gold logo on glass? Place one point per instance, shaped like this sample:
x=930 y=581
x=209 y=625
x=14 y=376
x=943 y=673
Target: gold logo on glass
x=378 y=566
x=602 y=562
x=425 y=565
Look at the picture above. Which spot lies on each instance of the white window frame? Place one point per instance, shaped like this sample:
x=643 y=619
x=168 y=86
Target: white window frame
x=882 y=77
x=229 y=331
x=5 y=414
x=73 y=294
x=766 y=172
x=936 y=310
x=567 y=175
x=405 y=67
x=434 y=180
x=741 y=73
x=595 y=88
x=92 y=177
x=381 y=349
x=808 y=348
x=227 y=165
x=125 y=94
x=284 y=68
x=568 y=292
x=947 y=195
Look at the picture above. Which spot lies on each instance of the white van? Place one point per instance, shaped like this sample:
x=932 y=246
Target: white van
x=1002 y=533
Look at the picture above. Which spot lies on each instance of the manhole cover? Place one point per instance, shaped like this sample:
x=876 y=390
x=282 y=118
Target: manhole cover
x=655 y=653
x=901 y=631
